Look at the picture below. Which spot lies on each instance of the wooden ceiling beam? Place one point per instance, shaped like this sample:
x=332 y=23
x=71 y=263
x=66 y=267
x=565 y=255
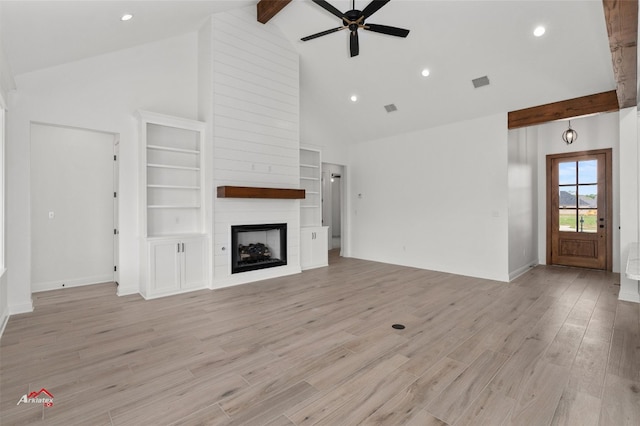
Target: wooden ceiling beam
x=585 y=105
x=621 y=17
x=267 y=9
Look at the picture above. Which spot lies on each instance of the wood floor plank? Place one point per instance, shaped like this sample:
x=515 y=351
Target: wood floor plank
x=577 y=408
x=256 y=394
x=538 y=398
x=555 y=346
x=272 y=407
x=590 y=366
x=178 y=402
x=211 y=415
x=332 y=400
x=620 y=402
x=461 y=393
x=489 y=408
x=402 y=407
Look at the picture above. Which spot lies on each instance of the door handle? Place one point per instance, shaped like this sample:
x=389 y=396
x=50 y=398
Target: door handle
x=183 y=247
x=178 y=247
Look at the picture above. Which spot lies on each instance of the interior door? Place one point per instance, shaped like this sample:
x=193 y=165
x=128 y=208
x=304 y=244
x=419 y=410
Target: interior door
x=116 y=225
x=579 y=209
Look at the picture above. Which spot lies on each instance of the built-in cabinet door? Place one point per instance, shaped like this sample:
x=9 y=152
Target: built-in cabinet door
x=177 y=264
x=313 y=247
x=164 y=262
x=306 y=241
x=194 y=261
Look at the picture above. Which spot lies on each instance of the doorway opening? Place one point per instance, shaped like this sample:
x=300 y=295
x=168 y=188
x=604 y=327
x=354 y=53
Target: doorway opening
x=73 y=207
x=579 y=209
x=333 y=204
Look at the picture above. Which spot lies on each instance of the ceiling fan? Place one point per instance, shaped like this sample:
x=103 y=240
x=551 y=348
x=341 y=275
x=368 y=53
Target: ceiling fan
x=355 y=19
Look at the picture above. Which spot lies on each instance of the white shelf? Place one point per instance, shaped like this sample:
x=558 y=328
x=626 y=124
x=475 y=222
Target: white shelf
x=166 y=148
x=184 y=206
x=312 y=192
x=167 y=166
x=172 y=187
x=311 y=166
x=309 y=178
x=175 y=206
x=310 y=207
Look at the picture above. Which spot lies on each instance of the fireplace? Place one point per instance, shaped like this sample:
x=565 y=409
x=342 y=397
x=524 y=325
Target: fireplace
x=258 y=247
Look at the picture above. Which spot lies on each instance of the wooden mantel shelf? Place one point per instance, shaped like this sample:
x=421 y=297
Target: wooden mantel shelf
x=253 y=192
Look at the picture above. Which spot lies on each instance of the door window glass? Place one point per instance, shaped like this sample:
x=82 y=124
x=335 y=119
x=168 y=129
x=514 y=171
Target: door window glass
x=578 y=196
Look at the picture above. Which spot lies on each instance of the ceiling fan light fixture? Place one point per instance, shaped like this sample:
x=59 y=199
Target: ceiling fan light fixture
x=569 y=136
x=126 y=17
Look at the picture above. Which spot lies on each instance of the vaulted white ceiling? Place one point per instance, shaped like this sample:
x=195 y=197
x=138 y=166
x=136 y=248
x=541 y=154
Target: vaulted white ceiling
x=456 y=40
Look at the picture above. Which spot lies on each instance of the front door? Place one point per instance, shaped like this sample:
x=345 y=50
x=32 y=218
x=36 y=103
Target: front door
x=579 y=209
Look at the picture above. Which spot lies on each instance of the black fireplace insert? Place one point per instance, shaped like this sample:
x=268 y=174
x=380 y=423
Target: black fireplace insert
x=258 y=247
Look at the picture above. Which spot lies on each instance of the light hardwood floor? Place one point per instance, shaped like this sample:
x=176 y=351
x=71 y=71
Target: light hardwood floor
x=554 y=347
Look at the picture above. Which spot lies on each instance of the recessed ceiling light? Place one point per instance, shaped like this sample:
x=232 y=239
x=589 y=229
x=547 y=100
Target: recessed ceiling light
x=354 y=98
x=425 y=72
x=126 y=17
x=539 y=31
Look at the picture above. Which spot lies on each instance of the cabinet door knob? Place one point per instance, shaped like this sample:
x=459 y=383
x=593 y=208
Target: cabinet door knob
x=178 y=247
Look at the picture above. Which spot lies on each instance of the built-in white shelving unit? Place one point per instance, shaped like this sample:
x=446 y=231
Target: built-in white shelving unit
x=313 y=236
x=310 y=181
x=172 y=157
x=172 y=199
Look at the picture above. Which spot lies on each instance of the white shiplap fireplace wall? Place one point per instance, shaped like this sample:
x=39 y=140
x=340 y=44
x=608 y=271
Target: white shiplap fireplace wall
x=249 y=97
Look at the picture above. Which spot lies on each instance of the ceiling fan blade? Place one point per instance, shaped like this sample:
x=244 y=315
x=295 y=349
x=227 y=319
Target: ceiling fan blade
x=384 y=29
x=354 y=43
x=326 y=6
x=320 y=34
x=373 y=7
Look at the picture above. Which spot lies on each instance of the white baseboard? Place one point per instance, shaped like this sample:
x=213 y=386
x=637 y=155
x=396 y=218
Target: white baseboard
x=521 y=271
x=55 y=285
x=4 y=319
x=124 y=291
x=629 y=297
x=22 y=308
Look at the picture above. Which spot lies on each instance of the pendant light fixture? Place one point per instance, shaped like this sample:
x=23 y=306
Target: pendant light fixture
x=569 y=135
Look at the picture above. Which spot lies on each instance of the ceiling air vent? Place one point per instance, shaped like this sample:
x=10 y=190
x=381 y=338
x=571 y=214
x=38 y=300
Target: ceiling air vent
x=391 y=107
x=480 y=81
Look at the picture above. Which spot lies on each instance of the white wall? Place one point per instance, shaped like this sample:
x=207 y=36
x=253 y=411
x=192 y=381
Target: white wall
x=250 y=99
x=72 y=179
x=6 y=84
x=523 y=201
x=4 y=301
x=434 y=199
x=6 y=77
x=629 y=197
x=99 y=93
x=595 y=132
